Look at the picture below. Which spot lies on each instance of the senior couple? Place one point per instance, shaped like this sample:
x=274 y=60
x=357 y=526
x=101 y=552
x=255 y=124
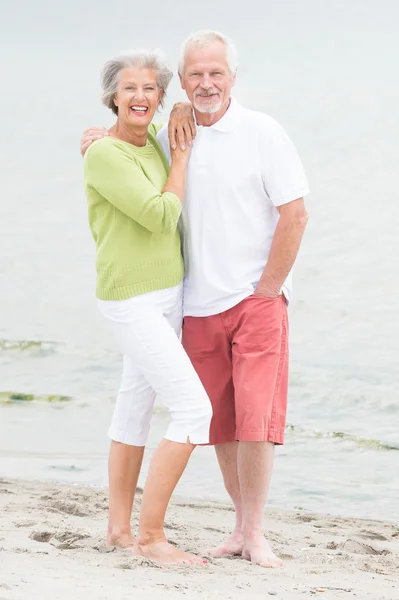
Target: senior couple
x=233 y=180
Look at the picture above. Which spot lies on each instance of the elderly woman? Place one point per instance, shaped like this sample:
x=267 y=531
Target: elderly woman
x=134 y=204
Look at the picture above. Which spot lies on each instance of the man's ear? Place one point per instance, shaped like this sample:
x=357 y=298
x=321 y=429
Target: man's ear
x=182 y=82
x=234 y=78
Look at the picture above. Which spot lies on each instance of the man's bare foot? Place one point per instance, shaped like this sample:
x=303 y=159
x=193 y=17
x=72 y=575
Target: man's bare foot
x=258 y=551
x=233 y=546
x=120 y=540
x=164 y=553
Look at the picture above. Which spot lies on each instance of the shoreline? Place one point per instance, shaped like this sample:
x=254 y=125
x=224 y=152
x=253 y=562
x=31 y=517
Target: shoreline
x=81 y=456
x=52 y=545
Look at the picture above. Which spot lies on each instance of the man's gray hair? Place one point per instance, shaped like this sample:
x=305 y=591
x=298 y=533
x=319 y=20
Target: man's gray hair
x=140 y=58
x=205 y=38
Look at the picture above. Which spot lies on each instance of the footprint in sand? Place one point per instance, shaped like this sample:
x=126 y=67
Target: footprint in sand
x=372 y=535
x=24 y=523
x=304 y=518
x=68 y=508
x=62 y=540
x=356 y=547
x=41 y=536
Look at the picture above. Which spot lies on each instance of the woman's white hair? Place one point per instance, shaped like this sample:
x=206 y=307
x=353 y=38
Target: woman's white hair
x=205 y=38
x=140 y=58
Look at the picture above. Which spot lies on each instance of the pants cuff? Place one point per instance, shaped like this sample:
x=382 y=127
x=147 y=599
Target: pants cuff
x=124 y=437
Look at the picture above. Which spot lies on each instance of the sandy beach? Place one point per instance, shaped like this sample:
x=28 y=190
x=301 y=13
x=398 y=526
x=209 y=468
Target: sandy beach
x=52 y=546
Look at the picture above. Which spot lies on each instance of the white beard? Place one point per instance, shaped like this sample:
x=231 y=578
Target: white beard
x=209 y=109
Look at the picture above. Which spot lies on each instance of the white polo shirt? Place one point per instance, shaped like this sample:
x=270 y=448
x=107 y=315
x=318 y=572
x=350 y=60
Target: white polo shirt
x=240 y=169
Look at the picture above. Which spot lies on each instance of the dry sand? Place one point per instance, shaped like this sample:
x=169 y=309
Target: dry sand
x=51 y=546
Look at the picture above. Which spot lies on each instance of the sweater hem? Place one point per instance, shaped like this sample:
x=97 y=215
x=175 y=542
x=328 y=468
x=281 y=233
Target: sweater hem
x=136 y=289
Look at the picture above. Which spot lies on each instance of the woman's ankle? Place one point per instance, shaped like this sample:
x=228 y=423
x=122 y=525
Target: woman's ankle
x=118 y=531
x=151 y=536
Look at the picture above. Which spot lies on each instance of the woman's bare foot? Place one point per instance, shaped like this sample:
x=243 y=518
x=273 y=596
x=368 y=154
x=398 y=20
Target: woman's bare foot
x=233 y=546
x=258 y=551
x=120 y=540
x=164 y=553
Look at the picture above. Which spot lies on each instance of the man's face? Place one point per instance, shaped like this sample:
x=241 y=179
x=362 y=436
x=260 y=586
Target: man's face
x=207 y=78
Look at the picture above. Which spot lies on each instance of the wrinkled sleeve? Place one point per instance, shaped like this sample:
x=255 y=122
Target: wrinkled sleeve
x=283 y=173
x=163 y=141
x=120 y=181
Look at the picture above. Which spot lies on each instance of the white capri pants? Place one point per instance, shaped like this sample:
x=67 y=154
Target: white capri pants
x=147 y=329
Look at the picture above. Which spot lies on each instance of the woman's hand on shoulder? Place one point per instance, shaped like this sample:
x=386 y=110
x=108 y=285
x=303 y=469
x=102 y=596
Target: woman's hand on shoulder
x=91 y=135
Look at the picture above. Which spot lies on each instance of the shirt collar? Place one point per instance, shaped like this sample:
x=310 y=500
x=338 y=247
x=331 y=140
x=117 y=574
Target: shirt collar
x=227 y=122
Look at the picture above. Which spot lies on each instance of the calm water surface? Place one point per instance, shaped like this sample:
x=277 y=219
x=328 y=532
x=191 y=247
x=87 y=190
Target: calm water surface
x=328 y=74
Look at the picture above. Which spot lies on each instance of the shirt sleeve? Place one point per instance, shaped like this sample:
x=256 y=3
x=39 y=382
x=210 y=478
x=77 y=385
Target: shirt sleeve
x=155 y=127
x=163 y=141
x=283 y=173
x=119 y=179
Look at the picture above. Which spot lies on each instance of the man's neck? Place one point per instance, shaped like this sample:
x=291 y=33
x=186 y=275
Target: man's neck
x=209 y=119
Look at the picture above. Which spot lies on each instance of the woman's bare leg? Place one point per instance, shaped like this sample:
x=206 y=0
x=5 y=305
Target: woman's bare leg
x=124 y=468
x=166 y=468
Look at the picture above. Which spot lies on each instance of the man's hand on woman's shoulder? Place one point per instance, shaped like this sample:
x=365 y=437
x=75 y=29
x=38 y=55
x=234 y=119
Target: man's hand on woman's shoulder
x=181 y=128
x=91 y=135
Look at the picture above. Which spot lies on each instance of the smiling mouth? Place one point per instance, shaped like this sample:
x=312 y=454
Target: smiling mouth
x=139 y=110
x=207 y=95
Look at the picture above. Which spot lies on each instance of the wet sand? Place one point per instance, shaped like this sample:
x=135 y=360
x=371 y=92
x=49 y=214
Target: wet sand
x=52 y=546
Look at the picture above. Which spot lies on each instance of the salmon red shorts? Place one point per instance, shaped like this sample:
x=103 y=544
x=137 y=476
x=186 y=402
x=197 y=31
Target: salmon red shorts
x=241 y=357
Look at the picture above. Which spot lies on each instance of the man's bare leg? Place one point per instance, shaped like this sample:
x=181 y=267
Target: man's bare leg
x=246 y=468
x=255 y=465
x=227 y=458
x=124 y=466
x=166 y=468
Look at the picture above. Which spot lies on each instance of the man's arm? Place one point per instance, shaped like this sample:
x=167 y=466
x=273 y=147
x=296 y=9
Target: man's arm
x=285 y=246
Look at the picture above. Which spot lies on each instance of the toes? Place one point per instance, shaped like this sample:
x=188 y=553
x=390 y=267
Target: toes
x=261 y=562
x=197 y=560
x=221 y=551
x=193 y=561
x=268 y=563
x=276 y=564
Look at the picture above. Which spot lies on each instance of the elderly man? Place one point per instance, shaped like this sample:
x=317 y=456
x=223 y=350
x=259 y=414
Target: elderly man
x=243 y=222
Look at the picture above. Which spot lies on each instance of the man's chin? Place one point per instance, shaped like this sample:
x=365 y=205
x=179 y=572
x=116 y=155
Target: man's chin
x=209 y=109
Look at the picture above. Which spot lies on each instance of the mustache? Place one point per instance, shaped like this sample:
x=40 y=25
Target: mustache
x=206 y=93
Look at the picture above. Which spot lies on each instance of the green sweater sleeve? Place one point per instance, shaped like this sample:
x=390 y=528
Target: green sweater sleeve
x=117 y=178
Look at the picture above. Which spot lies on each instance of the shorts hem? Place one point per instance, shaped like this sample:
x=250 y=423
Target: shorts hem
x=272 y=435
x=243 y=435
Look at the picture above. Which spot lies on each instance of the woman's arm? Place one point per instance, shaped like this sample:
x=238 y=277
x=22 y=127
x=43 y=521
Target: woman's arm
x=118 y=179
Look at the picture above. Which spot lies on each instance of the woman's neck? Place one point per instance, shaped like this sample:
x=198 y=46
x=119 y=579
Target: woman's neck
x=127 y=133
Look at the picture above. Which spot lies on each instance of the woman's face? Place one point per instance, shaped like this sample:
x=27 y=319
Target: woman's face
x=137 y=96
